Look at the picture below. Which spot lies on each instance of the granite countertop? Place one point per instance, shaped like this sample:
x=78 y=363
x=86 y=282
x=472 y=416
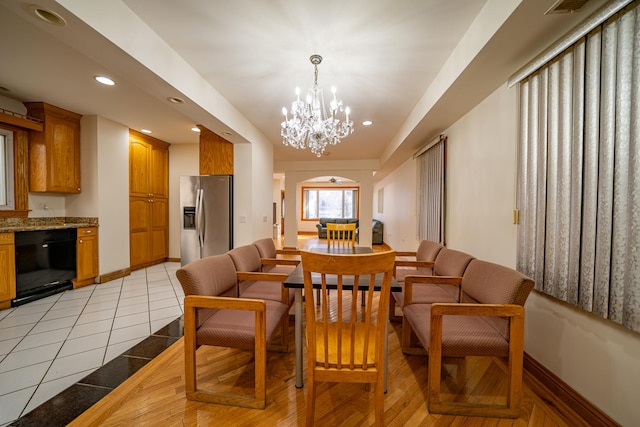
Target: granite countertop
x=8 y=225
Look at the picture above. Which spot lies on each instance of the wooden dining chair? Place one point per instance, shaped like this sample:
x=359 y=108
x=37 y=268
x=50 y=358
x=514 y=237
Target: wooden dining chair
x=341 y=235
x=346 y=344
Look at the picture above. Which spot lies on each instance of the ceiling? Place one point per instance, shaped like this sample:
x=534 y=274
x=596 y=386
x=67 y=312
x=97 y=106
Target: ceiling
x=406 y=65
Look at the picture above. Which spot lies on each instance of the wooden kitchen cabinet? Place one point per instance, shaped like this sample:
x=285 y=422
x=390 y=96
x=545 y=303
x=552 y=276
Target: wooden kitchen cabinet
x=148 y=166
x=149 y=230
x=159 y=230
x=86 y=256
x=7 y=270
x=148 y=200
x=54 y=153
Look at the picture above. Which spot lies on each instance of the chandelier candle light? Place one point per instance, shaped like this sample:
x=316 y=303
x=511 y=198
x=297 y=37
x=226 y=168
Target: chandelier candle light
x=310 y=125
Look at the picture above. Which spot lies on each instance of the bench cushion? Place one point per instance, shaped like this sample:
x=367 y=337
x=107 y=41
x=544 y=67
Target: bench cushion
x=236 y=328
x=424 y=293
x=246 y=258
x=196 y=278
x=266 y=248
x=262 y=289
x=450 y=262
x=462 y=335
x=491 y=283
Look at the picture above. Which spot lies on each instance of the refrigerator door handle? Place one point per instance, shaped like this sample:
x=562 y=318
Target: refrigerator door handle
x=199 y=217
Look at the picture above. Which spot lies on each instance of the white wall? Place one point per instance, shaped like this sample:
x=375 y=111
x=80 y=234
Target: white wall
x=399 y=207
x=184 y=159
x=47 y=205
x=480 y=180
x=597 y=358
x=86 y=203
x=242 y=194
x=104 y=167
x=261 y=189
x=113 y=184
x=252 y=192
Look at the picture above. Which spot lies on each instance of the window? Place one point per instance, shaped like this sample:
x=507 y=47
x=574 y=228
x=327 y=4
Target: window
x=329 y=203
x=6 y=170
x=579 y=184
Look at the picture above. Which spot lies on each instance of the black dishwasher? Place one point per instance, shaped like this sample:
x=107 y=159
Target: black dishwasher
x=45 y=263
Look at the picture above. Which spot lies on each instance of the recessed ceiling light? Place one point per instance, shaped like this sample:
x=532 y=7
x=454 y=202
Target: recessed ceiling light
x=367 y=123
x=227 y=133
x=195 y=129
x=175 y=100
x=107 y=81
x=145 y=131
x=47 y=15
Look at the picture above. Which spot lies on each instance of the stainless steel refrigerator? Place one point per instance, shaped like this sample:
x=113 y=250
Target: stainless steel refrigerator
x=206 y=220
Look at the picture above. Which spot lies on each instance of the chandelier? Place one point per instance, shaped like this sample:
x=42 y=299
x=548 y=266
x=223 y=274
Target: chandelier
x=310 y=124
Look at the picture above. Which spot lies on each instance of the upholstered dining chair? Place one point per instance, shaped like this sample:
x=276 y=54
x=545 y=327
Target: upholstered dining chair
x=346 y=344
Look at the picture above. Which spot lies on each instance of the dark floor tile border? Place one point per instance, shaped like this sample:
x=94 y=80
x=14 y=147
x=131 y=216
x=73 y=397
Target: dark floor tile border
x=63 y=408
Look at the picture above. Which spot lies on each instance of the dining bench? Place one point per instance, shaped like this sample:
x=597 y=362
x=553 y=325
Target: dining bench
x=215 y=316
x=486 y=320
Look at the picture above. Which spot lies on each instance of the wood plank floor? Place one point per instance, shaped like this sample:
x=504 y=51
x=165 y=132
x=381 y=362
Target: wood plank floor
x=155 y=395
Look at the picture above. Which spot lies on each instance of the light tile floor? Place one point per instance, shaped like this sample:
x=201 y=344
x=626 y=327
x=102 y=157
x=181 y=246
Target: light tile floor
x=49 y=344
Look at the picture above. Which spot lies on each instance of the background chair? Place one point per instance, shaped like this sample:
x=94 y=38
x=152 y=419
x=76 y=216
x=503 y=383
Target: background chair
x=344 y=345
x=341 y=235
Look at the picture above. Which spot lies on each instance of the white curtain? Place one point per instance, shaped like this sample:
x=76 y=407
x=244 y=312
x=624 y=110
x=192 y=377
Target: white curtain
x=431 y=192
x=579 y=180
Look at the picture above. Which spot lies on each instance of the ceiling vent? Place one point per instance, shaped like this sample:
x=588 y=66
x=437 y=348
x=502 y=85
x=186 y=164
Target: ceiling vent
x=566 y=6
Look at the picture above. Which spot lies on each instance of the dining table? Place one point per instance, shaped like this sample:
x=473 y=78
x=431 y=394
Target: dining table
x=296 y=281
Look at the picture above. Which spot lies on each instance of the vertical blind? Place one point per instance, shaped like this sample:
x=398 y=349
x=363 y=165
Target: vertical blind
x=579 y=172
x=431 y=191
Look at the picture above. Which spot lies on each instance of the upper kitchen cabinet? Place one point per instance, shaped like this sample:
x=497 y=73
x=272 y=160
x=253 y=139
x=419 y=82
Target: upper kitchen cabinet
x=148 y=166
x=216 y=154
x=54 y=153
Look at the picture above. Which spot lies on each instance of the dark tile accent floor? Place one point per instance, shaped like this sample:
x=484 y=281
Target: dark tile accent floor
x=69 y=404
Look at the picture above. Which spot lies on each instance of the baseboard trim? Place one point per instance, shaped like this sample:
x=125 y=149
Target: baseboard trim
x=113 y=275
x=568 y=401
x=173 y=259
